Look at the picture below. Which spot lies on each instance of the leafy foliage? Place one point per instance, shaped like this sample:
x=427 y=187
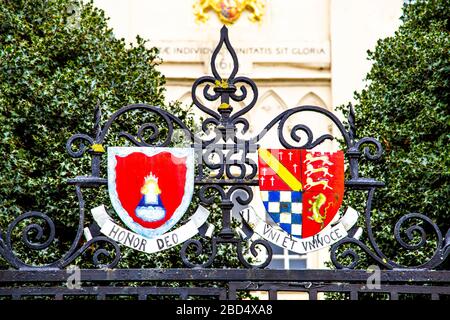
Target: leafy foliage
x=405 y=105
x=58 y=58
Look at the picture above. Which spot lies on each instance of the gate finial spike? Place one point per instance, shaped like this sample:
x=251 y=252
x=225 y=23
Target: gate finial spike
x=351 y=122
x=97 y=120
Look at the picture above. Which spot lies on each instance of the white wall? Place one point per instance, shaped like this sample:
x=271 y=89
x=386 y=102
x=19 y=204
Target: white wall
x=355 y=27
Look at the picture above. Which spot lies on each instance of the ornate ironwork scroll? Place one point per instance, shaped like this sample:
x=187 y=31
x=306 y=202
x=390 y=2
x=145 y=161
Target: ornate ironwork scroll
x=222 y=138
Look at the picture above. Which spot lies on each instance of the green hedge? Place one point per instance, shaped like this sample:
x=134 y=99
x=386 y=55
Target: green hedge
x=58 y=59
x=405 y=105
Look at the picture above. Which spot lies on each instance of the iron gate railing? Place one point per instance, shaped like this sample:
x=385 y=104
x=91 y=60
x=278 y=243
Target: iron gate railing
x=225 y=178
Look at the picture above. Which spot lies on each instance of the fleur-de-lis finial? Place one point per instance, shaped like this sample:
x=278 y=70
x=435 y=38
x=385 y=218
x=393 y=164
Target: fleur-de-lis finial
x=226 y=89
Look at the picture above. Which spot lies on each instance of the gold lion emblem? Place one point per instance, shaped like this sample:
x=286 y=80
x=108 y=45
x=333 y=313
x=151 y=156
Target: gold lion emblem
x=229 y=10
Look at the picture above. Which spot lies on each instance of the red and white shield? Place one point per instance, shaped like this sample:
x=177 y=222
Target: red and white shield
x=150 y=188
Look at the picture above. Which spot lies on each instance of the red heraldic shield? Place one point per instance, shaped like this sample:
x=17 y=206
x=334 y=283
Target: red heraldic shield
x=301 y=190
x=323 y=189
x=150 y=188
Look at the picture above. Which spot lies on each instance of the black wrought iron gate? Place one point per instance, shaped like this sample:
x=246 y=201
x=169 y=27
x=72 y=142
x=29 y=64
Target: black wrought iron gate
x=235 y=171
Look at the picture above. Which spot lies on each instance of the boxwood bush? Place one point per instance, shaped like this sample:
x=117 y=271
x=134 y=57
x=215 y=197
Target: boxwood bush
x=405 y=105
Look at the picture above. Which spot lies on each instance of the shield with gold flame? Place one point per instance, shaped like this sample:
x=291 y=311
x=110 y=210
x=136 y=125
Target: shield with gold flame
x=150 y=188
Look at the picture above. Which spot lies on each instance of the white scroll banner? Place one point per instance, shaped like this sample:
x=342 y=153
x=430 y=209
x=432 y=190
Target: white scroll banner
x=151 y=245
x=326 y=237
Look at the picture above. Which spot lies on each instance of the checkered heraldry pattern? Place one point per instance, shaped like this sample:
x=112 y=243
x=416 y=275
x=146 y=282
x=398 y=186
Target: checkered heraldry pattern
x=285 y=209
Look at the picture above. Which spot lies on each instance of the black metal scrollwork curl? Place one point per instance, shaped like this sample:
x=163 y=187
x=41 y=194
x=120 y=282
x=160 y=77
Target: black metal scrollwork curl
x=100 y=252
x=38 y=237
x=210 y=81
x=154 y=139
x=220 y=179
x=211 y=188
x=33 y=229
x=417 y=230
x=33 y=235
x=71 y=143
x=347 y=253
x=376 y=155
x=244 y=198
x=168 y=120
x=255 y=253
x=243 y=95
x=438 y=256
x=198 y=245
x=310 y=142
x=412 y=230
x=352 y=254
